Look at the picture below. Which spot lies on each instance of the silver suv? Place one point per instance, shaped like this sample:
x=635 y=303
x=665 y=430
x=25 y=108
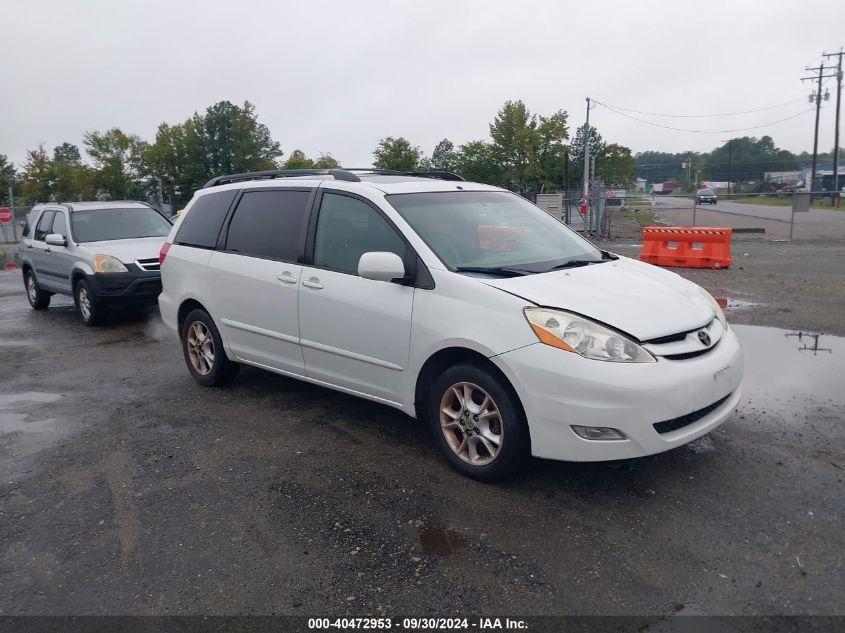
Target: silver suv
x=103 y=254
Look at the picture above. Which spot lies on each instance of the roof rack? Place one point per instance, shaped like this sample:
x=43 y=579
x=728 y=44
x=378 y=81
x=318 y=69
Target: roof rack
x=339 y=174
x=348 y=175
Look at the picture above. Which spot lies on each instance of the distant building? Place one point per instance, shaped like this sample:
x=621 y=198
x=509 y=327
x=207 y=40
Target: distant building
x=640 y=184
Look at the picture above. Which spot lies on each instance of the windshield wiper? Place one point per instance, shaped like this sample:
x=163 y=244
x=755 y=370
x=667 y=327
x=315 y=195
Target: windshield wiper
x=575 y=263
x=494 y=270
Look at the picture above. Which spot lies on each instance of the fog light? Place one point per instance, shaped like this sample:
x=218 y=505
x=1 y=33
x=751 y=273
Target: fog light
x=597 y=433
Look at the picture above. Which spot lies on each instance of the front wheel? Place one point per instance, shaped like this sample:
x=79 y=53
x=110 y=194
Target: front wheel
x=478 y=423
x=204 y=353
x=90 y=311
x=38 y=299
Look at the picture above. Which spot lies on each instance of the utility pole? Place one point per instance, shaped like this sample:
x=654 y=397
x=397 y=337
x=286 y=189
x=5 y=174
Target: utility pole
x=586 y=188
x=818 y=98
x=587 y=152
x=836 y=134
x=730 y=162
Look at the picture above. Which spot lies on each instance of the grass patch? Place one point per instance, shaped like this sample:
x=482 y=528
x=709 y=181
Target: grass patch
x=645 y=217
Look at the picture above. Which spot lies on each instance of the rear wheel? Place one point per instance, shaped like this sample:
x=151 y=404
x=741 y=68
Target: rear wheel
x=38 y=299
x=204 y=353
x=478 y=423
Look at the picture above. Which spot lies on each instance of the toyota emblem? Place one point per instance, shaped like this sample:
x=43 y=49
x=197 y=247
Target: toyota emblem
x=704 y=337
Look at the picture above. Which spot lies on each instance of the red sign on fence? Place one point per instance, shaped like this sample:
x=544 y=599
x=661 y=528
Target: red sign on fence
x=6 y=215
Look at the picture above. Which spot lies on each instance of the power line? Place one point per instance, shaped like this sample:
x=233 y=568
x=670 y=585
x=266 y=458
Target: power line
x=678 y=129
x=697 y=116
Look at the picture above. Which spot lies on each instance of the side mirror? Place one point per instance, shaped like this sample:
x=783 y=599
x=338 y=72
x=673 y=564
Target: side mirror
x=381 y=266
x=54 y=239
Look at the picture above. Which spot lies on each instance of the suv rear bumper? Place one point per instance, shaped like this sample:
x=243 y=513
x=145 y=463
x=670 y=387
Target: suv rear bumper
x=131 y=289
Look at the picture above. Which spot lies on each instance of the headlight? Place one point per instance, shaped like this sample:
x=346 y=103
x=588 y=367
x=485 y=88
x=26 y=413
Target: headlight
x=108 y=264
x=715 y=305
x=574 y=333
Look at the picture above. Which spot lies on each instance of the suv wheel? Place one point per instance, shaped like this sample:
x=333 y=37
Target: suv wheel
x=38 y=299
x=204 y=353
x=477 y=423
x=89 y=309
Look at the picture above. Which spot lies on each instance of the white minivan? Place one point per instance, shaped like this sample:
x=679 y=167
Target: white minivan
x=458 y=303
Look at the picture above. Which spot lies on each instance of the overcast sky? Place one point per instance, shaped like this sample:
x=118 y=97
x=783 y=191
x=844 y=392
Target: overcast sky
x=334 y=76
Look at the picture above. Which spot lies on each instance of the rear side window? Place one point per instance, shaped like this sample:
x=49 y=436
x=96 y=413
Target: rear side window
x=44 y=225
x=202 y=224
x=269 y=224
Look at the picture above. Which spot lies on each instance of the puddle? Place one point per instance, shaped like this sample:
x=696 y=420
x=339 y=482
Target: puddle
x=15 y=422
x=436 y=541
x=784 y=365
x=28 y=396
x=735 y=304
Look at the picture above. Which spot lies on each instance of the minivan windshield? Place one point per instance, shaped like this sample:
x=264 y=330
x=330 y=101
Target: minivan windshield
x=96 y=225
x=493 y=231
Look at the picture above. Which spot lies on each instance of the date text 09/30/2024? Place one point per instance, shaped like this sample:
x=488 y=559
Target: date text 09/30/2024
x=416 y=624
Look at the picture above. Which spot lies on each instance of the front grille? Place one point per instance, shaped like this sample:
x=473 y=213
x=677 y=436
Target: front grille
x=149 y=264
x=685 y=420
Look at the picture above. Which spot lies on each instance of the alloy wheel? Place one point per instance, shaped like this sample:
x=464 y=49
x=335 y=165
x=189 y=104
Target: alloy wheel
x=200 y=348
x=471 y=423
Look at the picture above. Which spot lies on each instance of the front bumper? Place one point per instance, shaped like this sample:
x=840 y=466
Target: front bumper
x=558 y=389
x=138 y=289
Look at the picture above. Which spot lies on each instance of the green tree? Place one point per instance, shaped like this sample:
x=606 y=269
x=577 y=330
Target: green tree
x=326 y=161
x=443 y=157
x=397 y=153
x=576 y=149
x=529 y=148
x=119 y=166
x=35 y=176
x=616 y=167
x=8 y=176
x=298 y=160
x=476 y=161
x=67 y=152
x=226 y=139
x=234 y=141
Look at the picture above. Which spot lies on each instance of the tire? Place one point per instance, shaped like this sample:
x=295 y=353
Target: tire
x=203 y=350
x=38 y=299
x=463 y=434
x=89 y=309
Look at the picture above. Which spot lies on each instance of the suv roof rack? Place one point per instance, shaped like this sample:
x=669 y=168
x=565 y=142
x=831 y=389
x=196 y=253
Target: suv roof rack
x=338 y=174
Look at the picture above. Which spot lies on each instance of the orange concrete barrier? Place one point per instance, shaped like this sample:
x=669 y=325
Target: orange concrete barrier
x=687 y=247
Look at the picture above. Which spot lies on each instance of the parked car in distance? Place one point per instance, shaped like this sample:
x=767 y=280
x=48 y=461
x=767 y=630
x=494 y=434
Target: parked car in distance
x=103 y=254
x=458 y=303
x=705 y=196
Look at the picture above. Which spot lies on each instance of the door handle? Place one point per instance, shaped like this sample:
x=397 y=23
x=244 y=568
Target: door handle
x=47 y=250
x=286 y=278
x=29 y=246
x=313 y=283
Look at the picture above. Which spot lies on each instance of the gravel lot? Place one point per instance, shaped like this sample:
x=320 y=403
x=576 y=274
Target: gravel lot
x=125 y=488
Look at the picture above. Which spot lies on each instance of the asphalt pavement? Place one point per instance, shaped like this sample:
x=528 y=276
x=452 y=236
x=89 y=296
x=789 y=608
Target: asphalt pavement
x=125 y=488
x=775 y=220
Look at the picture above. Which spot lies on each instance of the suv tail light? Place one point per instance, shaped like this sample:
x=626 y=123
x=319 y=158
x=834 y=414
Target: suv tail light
x=163 y=252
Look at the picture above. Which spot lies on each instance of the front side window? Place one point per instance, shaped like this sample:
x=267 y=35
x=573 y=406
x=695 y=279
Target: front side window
x=269 y=224
x=44 y=225
x=490 y=230
x=346 y=229
x=98 y=225
x=59 y=225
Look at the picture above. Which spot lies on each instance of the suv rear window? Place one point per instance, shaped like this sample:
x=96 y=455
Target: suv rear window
x=202 y=224
x=269 y=224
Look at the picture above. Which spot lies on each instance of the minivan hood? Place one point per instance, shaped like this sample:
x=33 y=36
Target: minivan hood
x=640 y=299
x=128 y=251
